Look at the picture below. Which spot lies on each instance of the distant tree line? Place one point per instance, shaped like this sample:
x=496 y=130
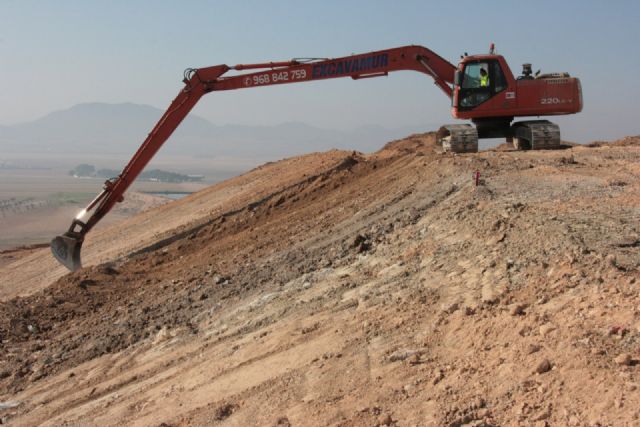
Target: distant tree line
x=84 y=171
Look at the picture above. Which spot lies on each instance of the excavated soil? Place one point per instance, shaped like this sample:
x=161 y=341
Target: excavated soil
x=347 y=289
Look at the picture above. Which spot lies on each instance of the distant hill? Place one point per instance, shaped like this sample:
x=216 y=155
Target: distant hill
x=100 y=128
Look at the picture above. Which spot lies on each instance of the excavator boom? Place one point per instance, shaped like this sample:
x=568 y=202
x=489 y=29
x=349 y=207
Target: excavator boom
x=67 y=247
x=371 y=64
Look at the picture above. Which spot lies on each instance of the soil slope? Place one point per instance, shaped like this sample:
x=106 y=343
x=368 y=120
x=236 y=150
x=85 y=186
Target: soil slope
x=344 y=289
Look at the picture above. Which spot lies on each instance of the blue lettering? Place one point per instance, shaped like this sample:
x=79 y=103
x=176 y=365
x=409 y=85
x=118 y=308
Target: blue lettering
x=350 y=66
x=369 y=62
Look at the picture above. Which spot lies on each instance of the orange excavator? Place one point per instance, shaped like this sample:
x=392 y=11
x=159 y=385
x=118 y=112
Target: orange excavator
x=482 y=89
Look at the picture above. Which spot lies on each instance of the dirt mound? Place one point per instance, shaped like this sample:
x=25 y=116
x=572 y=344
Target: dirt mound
x=422 y=144
x=627 y=141
x=23 y=274
x=344 y=289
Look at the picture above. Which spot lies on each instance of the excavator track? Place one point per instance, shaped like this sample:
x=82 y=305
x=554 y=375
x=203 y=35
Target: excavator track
x=536 y=135
x=458 y=138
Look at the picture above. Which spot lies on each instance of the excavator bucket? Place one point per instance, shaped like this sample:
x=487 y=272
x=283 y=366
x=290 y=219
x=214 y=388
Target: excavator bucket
x=66 y=249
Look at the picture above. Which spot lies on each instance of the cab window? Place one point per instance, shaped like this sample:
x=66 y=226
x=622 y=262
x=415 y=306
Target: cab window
x=471 y=77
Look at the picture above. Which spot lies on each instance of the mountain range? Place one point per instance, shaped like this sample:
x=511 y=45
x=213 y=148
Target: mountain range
x=119 y=129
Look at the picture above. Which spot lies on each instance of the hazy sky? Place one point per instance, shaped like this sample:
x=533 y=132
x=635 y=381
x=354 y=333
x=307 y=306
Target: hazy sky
x=54 y=54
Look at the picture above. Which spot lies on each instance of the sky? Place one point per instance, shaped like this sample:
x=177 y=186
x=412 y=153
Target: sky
x=55 y=54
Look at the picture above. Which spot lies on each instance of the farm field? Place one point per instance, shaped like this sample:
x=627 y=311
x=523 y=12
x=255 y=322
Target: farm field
x=37 y=204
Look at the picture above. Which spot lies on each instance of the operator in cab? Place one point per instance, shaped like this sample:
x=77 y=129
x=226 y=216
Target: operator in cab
x=484 y=78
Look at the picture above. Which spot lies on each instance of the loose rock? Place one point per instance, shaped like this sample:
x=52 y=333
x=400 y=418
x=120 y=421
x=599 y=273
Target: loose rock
x=385 y=420
x=543 y=366
x=517 y=309
x=623 y=359
x=546 y=329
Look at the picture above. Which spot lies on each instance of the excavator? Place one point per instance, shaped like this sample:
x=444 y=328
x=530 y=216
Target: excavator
x=482 y=89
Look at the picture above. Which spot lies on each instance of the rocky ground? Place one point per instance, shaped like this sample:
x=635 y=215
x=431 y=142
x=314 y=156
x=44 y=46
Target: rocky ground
x=347 y=289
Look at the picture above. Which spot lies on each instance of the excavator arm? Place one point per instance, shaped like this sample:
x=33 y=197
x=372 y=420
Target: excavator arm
x=372 y=64
x=67 y=247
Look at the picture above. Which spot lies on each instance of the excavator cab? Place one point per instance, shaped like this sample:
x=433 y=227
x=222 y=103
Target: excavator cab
x=474 y=89
x=486 y=92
